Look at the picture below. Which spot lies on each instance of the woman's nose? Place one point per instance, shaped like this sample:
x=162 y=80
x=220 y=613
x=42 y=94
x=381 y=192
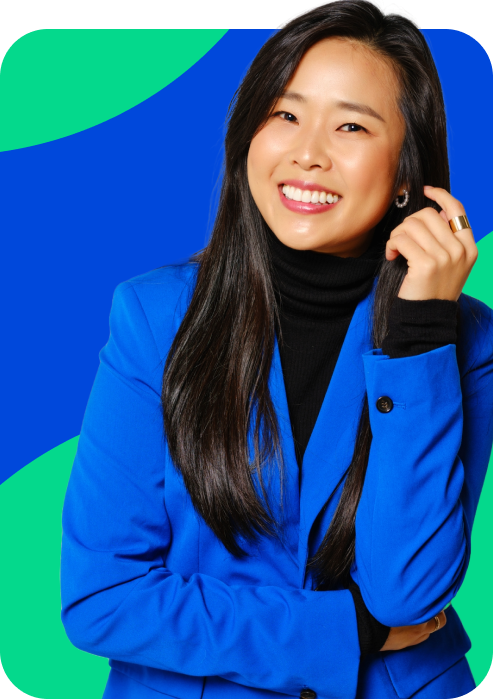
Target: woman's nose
x=312 y=153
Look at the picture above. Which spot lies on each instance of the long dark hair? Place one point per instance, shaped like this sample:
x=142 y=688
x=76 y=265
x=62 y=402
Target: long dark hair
x=215 y=381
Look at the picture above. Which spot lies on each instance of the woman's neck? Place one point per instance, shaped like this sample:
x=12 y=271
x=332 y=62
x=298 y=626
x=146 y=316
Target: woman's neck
x=317 y=286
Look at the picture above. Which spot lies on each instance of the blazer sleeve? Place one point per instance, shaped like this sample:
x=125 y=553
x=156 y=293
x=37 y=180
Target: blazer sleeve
x=427 y=464
x=121 y=601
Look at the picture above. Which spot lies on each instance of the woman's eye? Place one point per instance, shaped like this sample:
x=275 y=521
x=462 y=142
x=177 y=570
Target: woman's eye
x=352 y=127
x=286 y=116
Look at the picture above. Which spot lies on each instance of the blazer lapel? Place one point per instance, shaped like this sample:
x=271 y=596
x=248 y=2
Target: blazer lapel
x=331 y=443
x=290 y=517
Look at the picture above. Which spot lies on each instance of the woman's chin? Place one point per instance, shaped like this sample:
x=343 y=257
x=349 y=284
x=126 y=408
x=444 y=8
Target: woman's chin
x=300 y=240
x=304 y=240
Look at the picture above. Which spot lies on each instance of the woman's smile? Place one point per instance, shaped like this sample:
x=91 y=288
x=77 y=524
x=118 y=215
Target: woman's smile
x=307 y=197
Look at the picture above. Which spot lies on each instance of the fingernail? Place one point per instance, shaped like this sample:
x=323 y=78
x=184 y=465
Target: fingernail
x=428 y=186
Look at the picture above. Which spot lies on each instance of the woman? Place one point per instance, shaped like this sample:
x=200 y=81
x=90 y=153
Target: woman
x=285 y=444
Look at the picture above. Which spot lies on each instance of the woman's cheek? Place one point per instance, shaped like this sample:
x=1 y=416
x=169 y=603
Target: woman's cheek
x=374 y=182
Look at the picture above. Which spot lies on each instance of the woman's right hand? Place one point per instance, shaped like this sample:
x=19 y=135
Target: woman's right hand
x=404 y=636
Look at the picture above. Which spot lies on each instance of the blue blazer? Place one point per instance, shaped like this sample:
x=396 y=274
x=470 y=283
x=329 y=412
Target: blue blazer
x=146 y=583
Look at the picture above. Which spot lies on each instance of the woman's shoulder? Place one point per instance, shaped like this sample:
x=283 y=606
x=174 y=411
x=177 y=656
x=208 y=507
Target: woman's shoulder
x=163 y=285
x=161 y=296
x=165 y=278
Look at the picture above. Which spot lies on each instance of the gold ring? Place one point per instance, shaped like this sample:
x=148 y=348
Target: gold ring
x=437 y=623
x=458 y=223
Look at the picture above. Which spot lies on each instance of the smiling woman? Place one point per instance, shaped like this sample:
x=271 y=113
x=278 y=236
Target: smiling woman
x=285 y=444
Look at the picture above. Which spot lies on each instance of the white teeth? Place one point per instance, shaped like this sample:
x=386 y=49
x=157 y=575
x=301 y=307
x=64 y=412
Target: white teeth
x=307 y=196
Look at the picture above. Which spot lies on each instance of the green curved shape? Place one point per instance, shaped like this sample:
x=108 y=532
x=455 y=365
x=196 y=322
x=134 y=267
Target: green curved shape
x=479 y=283
x=57 y=82
x=36 y=654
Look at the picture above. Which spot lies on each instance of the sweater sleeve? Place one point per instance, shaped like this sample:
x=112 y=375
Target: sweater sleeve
x=371 y=633
x=120 y=597
x=420 y=326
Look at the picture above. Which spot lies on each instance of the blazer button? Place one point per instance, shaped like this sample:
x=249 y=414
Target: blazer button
x=385 y=404
x=308 y=694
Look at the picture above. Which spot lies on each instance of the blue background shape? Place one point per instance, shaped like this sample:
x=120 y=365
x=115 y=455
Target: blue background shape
x=85 y=212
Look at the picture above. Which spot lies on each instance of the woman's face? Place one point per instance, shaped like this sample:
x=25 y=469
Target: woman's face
x=337 y=130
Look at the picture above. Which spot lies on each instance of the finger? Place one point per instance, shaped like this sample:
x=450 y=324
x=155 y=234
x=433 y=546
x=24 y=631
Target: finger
x=419 y=640
x=437 y=222
x=431 y=625
x=433 y=219
x=464 y=237
x=436 y=242
x=451 y=205
x=404 y=245
x=434 y=230
x=441 y=619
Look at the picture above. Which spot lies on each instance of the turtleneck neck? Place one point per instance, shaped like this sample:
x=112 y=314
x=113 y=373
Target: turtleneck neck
x=316 y=286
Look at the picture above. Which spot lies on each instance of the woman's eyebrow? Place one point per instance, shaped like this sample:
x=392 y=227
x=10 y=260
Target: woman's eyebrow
x=295 y=96
x=360 y=108
x=350 y=106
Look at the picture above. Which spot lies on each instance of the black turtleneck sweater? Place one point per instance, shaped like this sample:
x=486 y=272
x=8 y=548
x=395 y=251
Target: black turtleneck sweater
x=317 y=294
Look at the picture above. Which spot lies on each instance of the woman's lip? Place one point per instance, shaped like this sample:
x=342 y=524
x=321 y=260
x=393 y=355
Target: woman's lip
x=310 y=186
x=300 y=207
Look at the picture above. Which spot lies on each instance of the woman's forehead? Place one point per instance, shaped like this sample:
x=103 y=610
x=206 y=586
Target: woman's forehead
x=337 y=70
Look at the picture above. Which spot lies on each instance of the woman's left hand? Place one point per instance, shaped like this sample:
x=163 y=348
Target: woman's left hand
x=439 y=261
